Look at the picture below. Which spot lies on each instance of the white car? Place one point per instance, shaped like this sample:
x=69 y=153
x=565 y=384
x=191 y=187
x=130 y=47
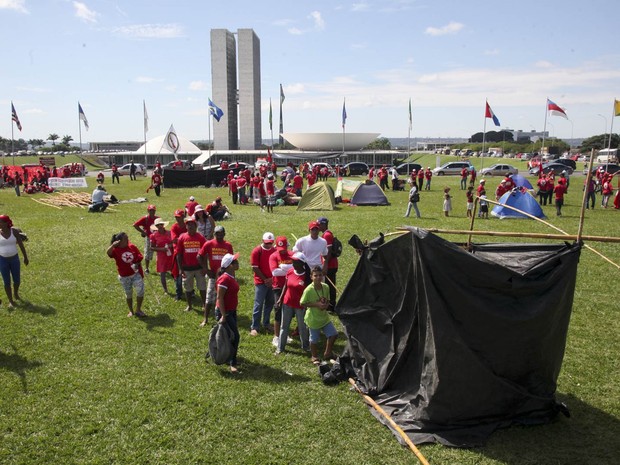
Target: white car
x=140 y=169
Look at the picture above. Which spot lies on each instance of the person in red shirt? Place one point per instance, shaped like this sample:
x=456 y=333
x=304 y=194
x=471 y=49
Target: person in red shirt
x=210 y=257
x=241 y=187
x=464 y=175
x=263 y=291
x=270 y=188
x=311 y=178
x=420 y=179
x=542 y=190
x=607 y=189
x=330 y=262
x=296 y=280
x=559 y=190
x=190 y=206
x=227 y=302
x=279 y=263
x=156 y=182
x=128 y=258
x=262 y=193
x=143 y=226
x=501 y=189
x=176 y=230
x=115 y=175
x=161 y=242
x=234 y=189
x=428 y=174
x=298 y=184
x=509 y=183
x=472 y=177
x=188 y=248
x=371 y=173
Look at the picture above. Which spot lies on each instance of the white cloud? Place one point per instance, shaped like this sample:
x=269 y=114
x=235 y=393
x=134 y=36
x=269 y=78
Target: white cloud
x=38 y=90
x=151 y=31
x=362 y=6
x=33 y=111
x=198 y=85
x=85 y=13
x=294 y=89
x=451 y=28
x=494 y=51
x=543 y=64
x=319 y=23
x=282 y=22
x=17 y=5
x=295 y=31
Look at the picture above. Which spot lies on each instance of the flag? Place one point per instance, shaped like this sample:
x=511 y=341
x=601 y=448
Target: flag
x=281 y=95
x=171 y=141
x=215 y=111
x=270 y=117
x=146 y=117
x=82 y=116
x=616 y=108
x=15 y=118
x=555 y=110
x=269 y=156
x=344 y=113
x=410 y=118
x=489 y=114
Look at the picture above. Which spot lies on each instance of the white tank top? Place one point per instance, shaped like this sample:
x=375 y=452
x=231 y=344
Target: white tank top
x=8 y=247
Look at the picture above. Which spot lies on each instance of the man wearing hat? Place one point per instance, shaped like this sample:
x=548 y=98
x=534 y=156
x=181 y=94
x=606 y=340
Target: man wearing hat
x=279 y=263
x=428 y=174
x=330 y=262
x=312 y=246
x=190 y=206
x=143 y=226
x=263 y=291
x=210 y=257
x=188 y=247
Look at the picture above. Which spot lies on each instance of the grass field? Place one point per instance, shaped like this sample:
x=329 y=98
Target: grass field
x=82 y=383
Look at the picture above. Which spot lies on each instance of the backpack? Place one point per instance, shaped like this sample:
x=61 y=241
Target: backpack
x=336 y=247
x=415 y=197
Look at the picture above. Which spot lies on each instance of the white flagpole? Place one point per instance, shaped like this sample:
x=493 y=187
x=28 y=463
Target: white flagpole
x=484 y=136
x=145 y=116
x=542 y=147
x=209 y=143
x=12 y=140
x=611 y=127
x=80 y=129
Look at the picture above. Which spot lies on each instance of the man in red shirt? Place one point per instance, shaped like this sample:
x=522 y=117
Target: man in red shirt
x=428 y=174
x=279 y=263
x=176 y=230
x=156 y=182
x=210 y=257
x=190 y=206
x=115 y=174
x=143 y=226
x=464 y=174
x=559 y=190
x=263 y=291
x=298 y=184
x=330 y=262
x=311 y=178
x=234 y=189
x=270 y=188
x=188 y=246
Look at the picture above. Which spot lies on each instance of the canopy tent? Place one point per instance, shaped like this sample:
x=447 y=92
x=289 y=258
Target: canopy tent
x=454 y=344
x=369 y=193
x=520 y=199
x=157 y=146
x=319 y=196
x=521 y=181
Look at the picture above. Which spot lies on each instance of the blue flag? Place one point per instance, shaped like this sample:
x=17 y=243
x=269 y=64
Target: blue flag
x=344 y=113
x=215 y=111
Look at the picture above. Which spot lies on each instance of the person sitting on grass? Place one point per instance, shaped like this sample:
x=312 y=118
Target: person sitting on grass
x=316 y=299
x=128 y=263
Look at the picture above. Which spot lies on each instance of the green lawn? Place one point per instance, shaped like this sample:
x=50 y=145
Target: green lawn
x=82 y=383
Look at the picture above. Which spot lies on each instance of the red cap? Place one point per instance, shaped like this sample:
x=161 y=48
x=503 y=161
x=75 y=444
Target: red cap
x=281 y=243
x=313 y=224
x=179 y=213
x=151 y=207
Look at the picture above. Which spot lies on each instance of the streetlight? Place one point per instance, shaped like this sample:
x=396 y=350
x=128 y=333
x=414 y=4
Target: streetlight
x=605 y=133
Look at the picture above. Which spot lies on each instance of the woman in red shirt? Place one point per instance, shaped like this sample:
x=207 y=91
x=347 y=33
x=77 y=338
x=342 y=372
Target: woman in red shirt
x=161 y=242
x=130 y=273
x=297 y=279
x=227 y=301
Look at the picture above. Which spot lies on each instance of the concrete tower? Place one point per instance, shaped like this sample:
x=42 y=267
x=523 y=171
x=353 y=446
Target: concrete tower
x=248 y=56
x=224 y=83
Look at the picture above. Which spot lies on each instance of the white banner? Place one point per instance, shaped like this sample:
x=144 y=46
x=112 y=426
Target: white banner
x=59 y=183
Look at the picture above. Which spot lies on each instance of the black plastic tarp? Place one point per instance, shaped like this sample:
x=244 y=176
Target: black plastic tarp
x=193 y=178
x=454 y=344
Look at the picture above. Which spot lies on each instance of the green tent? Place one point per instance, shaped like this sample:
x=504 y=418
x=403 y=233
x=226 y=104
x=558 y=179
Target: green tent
x=319 y=196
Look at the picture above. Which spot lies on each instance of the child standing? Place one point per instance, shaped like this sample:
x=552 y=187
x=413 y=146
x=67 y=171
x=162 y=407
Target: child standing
x=316 y=299
x=470 y=201
x=484 y=207
x=447 y=201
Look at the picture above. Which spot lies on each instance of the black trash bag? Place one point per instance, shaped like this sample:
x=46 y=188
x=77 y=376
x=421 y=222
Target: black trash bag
x=220 y=344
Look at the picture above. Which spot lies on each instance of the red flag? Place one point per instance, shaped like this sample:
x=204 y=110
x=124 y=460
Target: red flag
x=269 y=157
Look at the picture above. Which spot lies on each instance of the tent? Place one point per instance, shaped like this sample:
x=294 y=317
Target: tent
x=369 y=193
x=454 y=344
x=319 y=196
x=157 y=146
x=521 y=181
x=520 y=199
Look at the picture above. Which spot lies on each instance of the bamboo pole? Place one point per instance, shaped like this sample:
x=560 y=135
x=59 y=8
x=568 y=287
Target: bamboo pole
x=45 y=203
x=526 y=235
x=398 y=429
x=473 y=218
x=582 y=214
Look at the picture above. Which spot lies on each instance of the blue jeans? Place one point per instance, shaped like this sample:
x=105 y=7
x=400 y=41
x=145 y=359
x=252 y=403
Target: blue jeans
x=9 y=266
x=263 y=304
x=287 y=317
x=415 y=207
x=231 y=322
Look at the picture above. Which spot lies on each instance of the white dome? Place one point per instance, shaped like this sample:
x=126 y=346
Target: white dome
x=330 y=141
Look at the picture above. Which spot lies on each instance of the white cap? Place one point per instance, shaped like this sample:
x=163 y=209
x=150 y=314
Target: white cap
x=268 y=237
x=228 y=259
x=191 y=197
x=299 y=256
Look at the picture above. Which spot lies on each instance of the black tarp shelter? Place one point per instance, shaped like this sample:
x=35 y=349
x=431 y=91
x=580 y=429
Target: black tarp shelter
x=454 y=344
x=195 y=177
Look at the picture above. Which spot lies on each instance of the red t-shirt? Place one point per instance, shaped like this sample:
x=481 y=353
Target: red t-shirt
x=215 y=251
x=298 y=182
x=231 y=298
x=190 y=207
x=146 y=222
x=271 y=187
x=176 y=230
x=156 y=180
x=295 y=285
x=559 y=191
x=125 y=257
x=260 y=258
x=233 y=185
x=189 y=247
x=329 y=238
x=241 y=182
x=311 y=178
x=275 y=260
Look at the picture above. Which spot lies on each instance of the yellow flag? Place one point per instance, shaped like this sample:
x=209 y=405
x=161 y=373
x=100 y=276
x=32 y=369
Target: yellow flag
x=617 y=107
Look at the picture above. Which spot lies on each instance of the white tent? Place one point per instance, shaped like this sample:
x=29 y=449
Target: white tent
x=157 y=146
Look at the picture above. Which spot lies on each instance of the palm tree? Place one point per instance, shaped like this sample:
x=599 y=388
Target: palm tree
x=36 y=142
x=66 y=140
x=53 y=137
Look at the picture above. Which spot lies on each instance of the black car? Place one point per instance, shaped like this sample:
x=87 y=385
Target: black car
x=356 y=168
x=567 y=162
x=611 y=168
x=405 y=168
x=557 y=169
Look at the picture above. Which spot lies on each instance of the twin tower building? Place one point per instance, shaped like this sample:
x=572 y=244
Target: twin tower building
x=235 y=77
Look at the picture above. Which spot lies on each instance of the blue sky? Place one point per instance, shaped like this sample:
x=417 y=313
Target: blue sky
x=447 y=56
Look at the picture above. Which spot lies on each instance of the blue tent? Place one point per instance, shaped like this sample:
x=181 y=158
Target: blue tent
x=521 y=181
x=520 y=199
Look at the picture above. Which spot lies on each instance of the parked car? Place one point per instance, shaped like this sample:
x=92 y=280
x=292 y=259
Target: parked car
x=452 y=168
x=356 y=168
x=321 y=164
x=610 y=168
x=567 y=162
x=498 y=170
x=557 y=168
x=405 y=168
x=140 y=169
